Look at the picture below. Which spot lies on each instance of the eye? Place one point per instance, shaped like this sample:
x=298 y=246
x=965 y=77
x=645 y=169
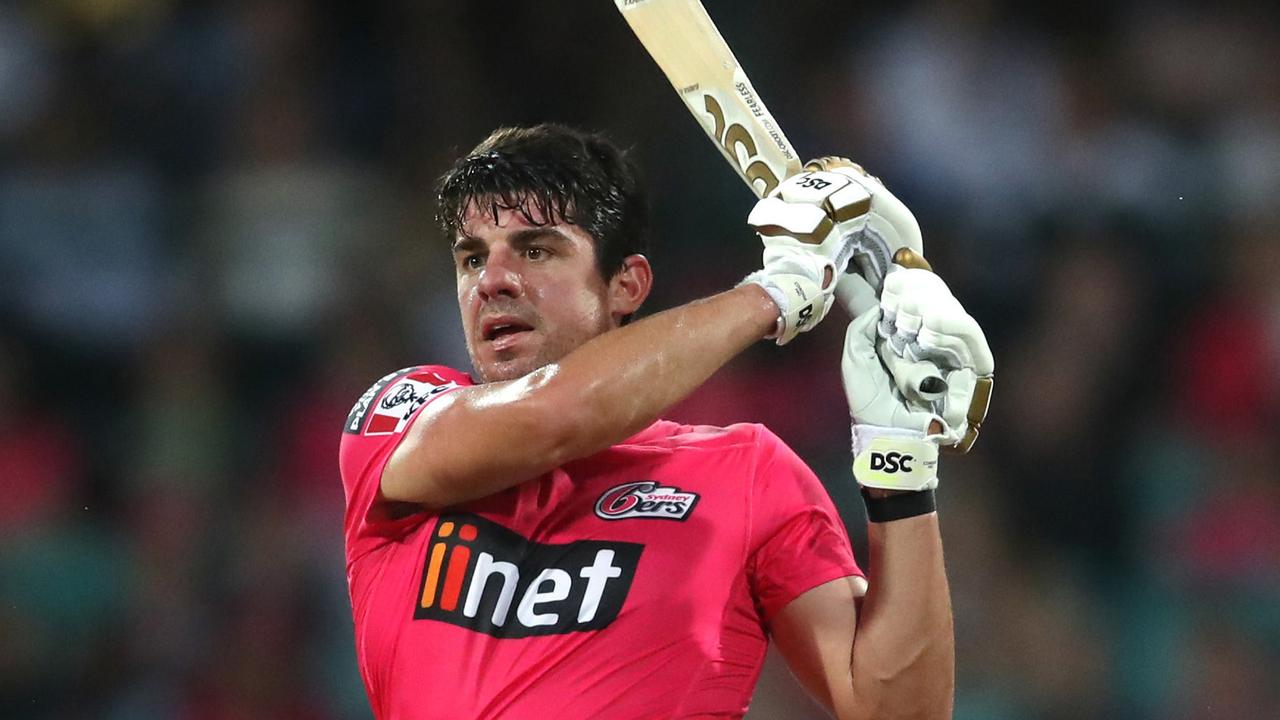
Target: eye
x=472 y=262
x=537 y=253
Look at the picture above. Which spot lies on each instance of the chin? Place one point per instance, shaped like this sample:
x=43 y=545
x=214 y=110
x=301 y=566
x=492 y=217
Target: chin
x=515 y=363
x=502 y=370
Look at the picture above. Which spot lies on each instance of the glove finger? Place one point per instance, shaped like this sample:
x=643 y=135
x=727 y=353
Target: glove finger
x=908 y=319
x=905 y=329
x=960 y=388
x=891 y=295
x=867 y=385
x=918 y=381
x=796 y=261
x=887 y=329
x=946 y=351
x=890 y=298
x=904 y=281
x=911 y=294
x=956 y=340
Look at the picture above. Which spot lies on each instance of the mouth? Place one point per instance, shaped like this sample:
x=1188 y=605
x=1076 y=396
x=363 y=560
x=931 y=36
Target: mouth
x=504 y=331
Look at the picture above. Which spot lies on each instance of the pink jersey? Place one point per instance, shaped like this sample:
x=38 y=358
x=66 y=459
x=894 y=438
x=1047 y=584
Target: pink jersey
x=636 y=583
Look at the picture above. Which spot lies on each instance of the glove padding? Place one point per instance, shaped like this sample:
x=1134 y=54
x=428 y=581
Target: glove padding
x=896 y=436
x=873 y=237
x=923 y=326
x=804 y=254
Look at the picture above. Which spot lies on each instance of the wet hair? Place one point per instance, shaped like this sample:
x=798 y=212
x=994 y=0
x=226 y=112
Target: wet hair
x=552 y=173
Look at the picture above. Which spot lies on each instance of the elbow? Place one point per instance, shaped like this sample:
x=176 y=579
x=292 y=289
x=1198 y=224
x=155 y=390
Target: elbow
x=406 y=479
x=923 y=688
x=887 y=702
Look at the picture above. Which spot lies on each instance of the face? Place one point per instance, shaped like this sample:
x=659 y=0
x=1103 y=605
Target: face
x=529 y=294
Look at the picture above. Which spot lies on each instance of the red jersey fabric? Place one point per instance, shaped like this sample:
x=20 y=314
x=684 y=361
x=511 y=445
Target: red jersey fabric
x=636 y=583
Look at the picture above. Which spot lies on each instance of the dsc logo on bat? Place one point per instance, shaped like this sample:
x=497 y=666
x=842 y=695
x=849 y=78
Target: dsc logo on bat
x=734 y=136
x=482 y=576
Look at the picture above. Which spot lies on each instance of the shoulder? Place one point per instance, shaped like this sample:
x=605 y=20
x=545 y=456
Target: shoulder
x=373 y=430
x=392 y=399
x=752 y=443
x=671 y=435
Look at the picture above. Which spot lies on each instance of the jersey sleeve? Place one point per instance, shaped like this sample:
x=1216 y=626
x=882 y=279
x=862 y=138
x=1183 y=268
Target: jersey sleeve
x=798 y=541
x=374 y=428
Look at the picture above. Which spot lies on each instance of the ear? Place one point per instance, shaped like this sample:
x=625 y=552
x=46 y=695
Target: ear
x=629 y=287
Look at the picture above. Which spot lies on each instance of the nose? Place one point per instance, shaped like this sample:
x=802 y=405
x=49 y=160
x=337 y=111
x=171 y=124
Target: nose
x=499 y=278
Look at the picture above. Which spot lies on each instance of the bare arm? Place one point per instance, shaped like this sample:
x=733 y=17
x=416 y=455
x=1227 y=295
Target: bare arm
x=603 y=392
x=903 y=663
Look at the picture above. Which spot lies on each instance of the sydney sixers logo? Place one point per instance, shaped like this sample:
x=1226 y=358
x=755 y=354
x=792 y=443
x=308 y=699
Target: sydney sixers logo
x=645 y=499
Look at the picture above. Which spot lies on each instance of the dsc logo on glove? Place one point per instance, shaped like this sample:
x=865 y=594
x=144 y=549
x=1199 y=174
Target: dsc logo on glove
x=891 y=462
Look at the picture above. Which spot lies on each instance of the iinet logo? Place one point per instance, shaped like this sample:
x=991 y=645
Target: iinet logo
x=484 y=577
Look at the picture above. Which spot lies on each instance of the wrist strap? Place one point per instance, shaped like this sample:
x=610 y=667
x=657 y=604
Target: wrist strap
x=894 y=458
x=898 y=507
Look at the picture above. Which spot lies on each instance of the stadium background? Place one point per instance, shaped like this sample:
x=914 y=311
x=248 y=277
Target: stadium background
x=215 y=232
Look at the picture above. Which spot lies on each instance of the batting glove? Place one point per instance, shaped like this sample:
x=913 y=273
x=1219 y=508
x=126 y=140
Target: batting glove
x=896 y=434
x=876 y=229
x=804 y=253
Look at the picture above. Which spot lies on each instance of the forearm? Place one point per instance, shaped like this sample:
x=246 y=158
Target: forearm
x=604 y=391
x=903 y=661
x=623 y=380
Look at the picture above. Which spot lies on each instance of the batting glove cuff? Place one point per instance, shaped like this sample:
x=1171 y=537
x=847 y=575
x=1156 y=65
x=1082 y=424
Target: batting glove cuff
x=894 y=458
x=794 y=283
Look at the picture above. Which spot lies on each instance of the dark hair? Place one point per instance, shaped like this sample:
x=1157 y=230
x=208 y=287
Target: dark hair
x=552 y=173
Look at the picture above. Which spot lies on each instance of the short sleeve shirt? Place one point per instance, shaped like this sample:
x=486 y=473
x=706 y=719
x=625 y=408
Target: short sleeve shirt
x=635 y=583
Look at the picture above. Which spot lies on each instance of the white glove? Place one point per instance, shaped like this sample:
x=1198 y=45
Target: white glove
x=895 y=437
x=803 y=252
x=923 y=325
x=882 y=237
x=874 y=232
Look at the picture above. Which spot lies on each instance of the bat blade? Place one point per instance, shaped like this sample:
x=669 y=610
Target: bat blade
x=685 y=43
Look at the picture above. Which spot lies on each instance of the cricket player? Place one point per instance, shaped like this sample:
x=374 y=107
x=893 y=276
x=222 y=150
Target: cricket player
x=532 y=541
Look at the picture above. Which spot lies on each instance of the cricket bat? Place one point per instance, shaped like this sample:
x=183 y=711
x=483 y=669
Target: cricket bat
x=686 y=44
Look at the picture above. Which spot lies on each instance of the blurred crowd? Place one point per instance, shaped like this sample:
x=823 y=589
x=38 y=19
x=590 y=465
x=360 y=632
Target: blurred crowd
x=215 y=232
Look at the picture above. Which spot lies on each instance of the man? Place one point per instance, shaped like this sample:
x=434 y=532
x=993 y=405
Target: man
x=539 y=545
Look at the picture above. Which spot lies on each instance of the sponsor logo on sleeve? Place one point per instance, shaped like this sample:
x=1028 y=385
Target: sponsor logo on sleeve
x=483 y=577
x=392 y=401
x=355 y=419
x=645 y=499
